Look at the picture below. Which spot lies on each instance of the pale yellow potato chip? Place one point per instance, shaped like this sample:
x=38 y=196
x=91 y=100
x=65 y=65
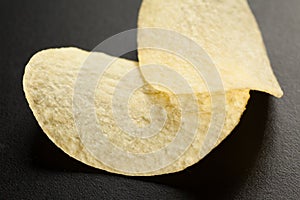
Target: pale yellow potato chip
x=226 y=30
x=49 y=82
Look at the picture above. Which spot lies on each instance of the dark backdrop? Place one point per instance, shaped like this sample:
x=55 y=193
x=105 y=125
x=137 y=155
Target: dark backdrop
x=259 y=160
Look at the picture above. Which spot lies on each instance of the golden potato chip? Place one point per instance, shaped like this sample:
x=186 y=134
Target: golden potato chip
x=49 y=81
x=226 y=30
x=197 y=62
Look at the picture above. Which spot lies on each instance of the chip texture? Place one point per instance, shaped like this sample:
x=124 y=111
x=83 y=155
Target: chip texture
x=226 y=30
x=49 y=82
x=232 y=44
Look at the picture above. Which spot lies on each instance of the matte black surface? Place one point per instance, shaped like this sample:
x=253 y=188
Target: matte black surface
x=259 y=160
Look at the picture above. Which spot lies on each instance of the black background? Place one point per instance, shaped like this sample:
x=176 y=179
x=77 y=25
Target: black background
x=259 y=160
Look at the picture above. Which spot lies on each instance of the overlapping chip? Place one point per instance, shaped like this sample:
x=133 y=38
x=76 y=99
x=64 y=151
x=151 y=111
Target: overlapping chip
x=227 y=32
x=145 y=128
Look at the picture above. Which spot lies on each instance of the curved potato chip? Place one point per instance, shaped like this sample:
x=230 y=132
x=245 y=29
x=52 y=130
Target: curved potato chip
x=49 y=82
x=227 y=32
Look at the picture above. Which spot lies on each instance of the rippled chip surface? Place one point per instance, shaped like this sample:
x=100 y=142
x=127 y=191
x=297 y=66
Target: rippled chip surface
x=144 y=128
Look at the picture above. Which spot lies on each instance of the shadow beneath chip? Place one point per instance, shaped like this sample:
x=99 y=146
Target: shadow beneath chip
x=227 y=167
x=220 y=173
x=46 y=155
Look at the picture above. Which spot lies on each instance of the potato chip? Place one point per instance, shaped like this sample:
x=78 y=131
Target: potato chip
x=226 y=30
x=49 y=81
x=197 y=62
